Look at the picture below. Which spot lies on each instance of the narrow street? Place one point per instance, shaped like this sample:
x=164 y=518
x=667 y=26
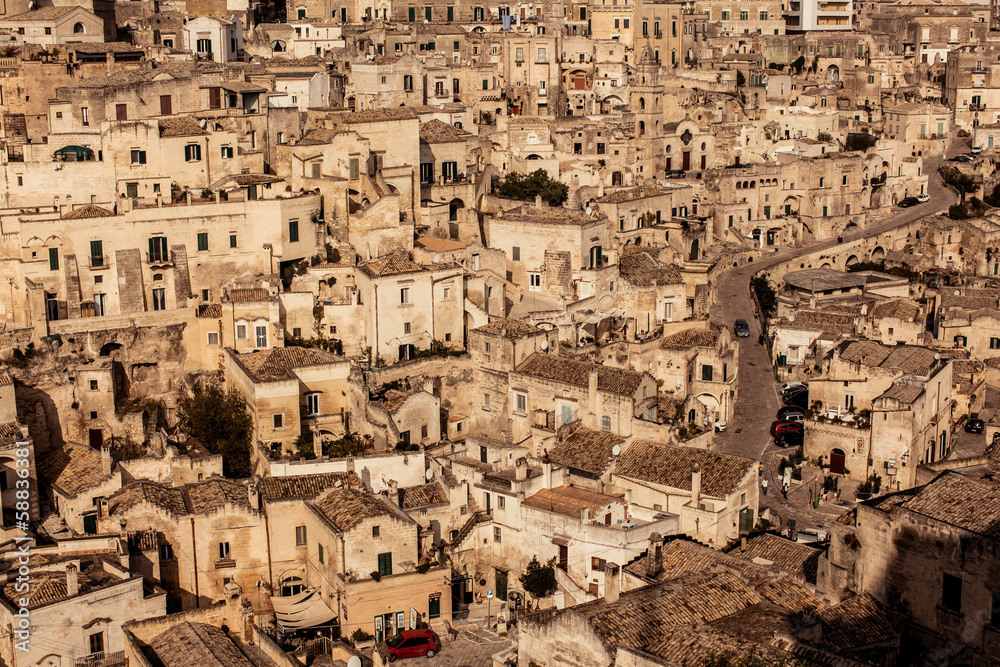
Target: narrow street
x=759 y=393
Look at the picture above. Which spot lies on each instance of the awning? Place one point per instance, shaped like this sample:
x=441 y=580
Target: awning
x=305 y=610
x=78 y=151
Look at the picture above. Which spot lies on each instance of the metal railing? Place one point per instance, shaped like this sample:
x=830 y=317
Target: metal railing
x=113 y=659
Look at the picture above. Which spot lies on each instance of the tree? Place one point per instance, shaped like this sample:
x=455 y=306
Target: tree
x=740 y=79
x=538 y=579
x=798 y=64
x=221 y=422
x=964 y=183
x=766 y=295
x=525 y=188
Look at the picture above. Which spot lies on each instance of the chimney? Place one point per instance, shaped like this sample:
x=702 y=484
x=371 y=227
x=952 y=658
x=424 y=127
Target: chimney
x=654 y=555
x=72 y=581
x=538 y=201
x=592 y=390
x=521 y=469
x=106 y=463
x=394 y=492
x=695 y=484
x=317 y=445
x=547 y=470
x=612 y=583
x=253 y=492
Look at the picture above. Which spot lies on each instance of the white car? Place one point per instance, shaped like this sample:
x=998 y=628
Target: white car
x=720 y=425
x=923 y=197
x=793 y=385
x=977 y=150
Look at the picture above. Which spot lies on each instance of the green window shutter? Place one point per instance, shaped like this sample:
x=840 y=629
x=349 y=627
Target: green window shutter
x=413 y=14
x=53 y=259
x=293 y=231
x=203 y=241
x=97 y=249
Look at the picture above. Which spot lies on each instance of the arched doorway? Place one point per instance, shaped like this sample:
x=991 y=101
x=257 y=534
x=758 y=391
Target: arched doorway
x=695 y=252
x=837 y=460
x=878 y=254
x=853 y=259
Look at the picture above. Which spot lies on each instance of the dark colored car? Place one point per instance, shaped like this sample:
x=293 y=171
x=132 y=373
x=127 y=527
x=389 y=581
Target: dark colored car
x=788 y=439
x=676 y=173
x=411 y=643
x=780 y=426
x=962 y=158
x=908 y=202
x=741 y=328
x=974 y=425
x=786 y=410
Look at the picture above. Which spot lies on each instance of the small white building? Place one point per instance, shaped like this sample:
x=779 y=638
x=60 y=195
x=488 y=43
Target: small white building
x=213 y=38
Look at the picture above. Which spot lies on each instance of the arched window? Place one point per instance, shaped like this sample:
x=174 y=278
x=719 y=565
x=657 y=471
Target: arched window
x=642 y=103
x=78 y=29
x=642 y=128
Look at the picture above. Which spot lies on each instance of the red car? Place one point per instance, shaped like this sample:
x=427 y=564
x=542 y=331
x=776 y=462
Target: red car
x=781 y=426
x=411 y=643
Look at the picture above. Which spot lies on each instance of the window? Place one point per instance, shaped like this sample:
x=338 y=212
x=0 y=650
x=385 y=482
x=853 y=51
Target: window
x=497 y=535
x=192 y=153
x=48 y=31
x=995 y=610
x=93 y=385
x=501 y=502
x=232 y=240
x=300 y=536
x=293 y=231
x=404 y=295
x=138 y=156
x=85 y=116
x=121 y=112
x=521 y=404
x=534 y=282
x=486 y=401
x=406 y=327
x=516 y=254
x=213 y=339
x=605 y=423
x=97 y=253
x=166 y=552
x=354 y=168
x=486 y=348
x=951 y=593
x=994 y=342
x=159 y=299
x=202 y=241
x=224 y=551
x=312 y=403
x=278 y=421
x=241 y=332
x=54 y=260
x=261 y=334
x=227 y=152
x=97 y=639
x=322 y=557
x=385 y=564
x=706 y=373
x=447 y=292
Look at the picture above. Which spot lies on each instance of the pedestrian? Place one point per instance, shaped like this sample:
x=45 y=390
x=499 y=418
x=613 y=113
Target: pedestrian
x=784 y=490
x=760 y=469
x=763 y=485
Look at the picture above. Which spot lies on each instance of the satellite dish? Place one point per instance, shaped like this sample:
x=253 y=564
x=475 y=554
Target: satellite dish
x=429 y=475
x=355 y=661
x=616 y=450
x=545 y=344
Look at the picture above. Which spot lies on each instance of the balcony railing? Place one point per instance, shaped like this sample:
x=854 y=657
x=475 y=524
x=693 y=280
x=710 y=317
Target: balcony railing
x=160 y=258
x=98 y=262
x=113 y=659
x=979 y=68
x=977 y=107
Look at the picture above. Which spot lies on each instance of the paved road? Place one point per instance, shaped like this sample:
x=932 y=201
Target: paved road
x=747 y=433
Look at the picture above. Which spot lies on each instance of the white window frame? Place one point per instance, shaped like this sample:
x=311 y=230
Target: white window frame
x=520 y=403
x=278 y=421
x=312 y=403
x=215 y=335
x=534 y=282
x=260 y=334
x=241 y=331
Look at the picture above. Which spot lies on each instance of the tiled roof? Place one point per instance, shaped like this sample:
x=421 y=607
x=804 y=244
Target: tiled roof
x=276 y=363
x=903 y=392
x=105 y=47
x=346 y=508
x=434 y=244
x=88 y=211
x=10 y=433
x=907 y=358
x=586 y=449
x=305 y=486
x=786 y=554
x=72 y=468
x=564 y=369
x=248 y=295
x=680 y=556
x=509 y=328
x=180 y=126
x=570 y=501
x=550 y=215
x=391 y=265
x=5 y=378
x=243 y=180
x=216 y=493
x=640 y=268
x=631 y=194
x=210 y=310
x=436 y=131
x=688 y=338
x=164 y=497
x=896 y=308
x=378 y=115
x=854 y=623
x=422 y=495
x=43 y=14
x=670 y=465
x=48 y=586
x=201 y=645
x=966 y=502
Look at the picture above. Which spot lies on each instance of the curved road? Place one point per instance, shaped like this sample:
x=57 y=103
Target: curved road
x=747 y=433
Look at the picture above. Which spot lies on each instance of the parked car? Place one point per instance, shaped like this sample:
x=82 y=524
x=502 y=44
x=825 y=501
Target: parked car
x=788 y=439
x=793 y=384
x=962 y=158
x=797 y=417
x=411 y=643
x=799 y=400
x=741 y=329
x=789 y=410
x=720 y=425
x=793 y=392
x=907 y=202
x=974 y=425
x=676 y=173
x=976 y=150
x=809 y=535
x=923 y=197
x=779 y=426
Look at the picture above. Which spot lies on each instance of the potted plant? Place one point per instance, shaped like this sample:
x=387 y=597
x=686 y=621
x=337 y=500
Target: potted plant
x=376 y=575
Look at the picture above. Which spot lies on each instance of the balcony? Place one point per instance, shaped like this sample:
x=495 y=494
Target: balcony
x=113 y=659
x=99 y=263
x=205 y=55
x=225 y=563
x=977 y=107
x=160 y=259
x=980 y=69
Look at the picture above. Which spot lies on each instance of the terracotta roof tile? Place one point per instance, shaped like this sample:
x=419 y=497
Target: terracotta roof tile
x=509 y=328
x=688 y=338
x=786 y=554
x=346 y=508
x=965 y=502
x=640 y=268
x=180 y=126
x=435 y=131
x=854 y=623
x=248 y=295
x=422 y=495
x=391 y=265
x=210 y=310
x=586 y=449
x=277 y=363
x=164 y=497
x=570 y=501
x=306 y=486
x=670 y=465
x=72 y=468
x=88 y=211
x=571 y=371
x=201 y=645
